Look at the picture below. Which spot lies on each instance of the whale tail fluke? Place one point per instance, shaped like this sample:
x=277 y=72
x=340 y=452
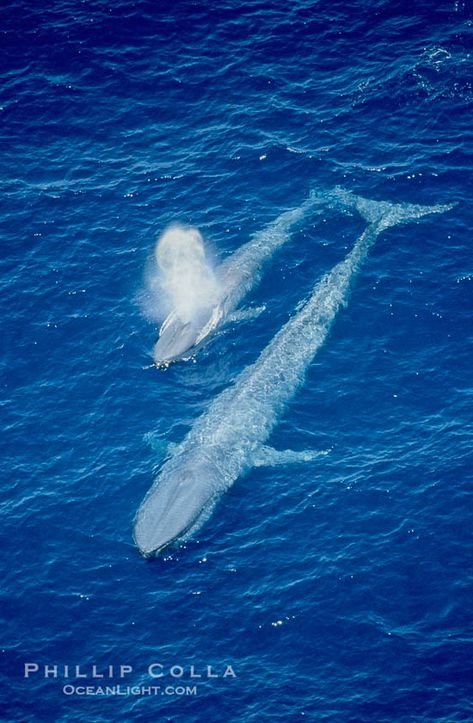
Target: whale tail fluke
x=384 y=214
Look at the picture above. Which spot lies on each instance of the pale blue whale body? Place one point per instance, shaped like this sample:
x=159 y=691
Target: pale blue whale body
x=227 y=440
x=236 y=276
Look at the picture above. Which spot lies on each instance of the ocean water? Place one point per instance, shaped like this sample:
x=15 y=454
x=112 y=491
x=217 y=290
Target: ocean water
x=338 y=590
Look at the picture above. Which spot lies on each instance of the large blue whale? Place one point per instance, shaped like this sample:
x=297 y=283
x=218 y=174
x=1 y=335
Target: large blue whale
x=235 y=277
x=229 y=439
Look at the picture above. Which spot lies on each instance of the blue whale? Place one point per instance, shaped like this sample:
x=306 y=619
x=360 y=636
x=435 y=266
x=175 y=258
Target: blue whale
x=236 y=276
x=229 y=438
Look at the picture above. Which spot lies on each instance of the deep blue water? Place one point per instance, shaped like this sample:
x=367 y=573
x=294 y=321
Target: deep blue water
x=340 y=590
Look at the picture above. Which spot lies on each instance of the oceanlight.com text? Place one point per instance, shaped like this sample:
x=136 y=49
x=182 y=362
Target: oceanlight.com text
x=128 y=690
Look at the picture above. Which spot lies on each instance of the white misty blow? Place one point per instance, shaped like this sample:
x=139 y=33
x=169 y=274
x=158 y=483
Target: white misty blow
x=186 y=276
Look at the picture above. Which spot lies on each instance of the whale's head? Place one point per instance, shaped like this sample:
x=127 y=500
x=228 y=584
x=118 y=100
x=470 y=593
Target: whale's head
x=179 y=337
x=179 y=501
x=174 y=341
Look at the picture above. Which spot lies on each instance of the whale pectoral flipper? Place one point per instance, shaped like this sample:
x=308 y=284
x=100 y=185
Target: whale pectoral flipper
x=270 y=457
x=246 y=314
x=160 y=446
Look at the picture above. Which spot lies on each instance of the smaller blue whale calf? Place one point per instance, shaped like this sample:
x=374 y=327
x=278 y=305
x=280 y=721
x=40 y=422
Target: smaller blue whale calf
x=186 y=326
x=230 y=437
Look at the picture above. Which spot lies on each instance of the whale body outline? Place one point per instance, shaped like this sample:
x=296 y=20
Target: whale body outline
x=236 y=276
x=229 y=438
